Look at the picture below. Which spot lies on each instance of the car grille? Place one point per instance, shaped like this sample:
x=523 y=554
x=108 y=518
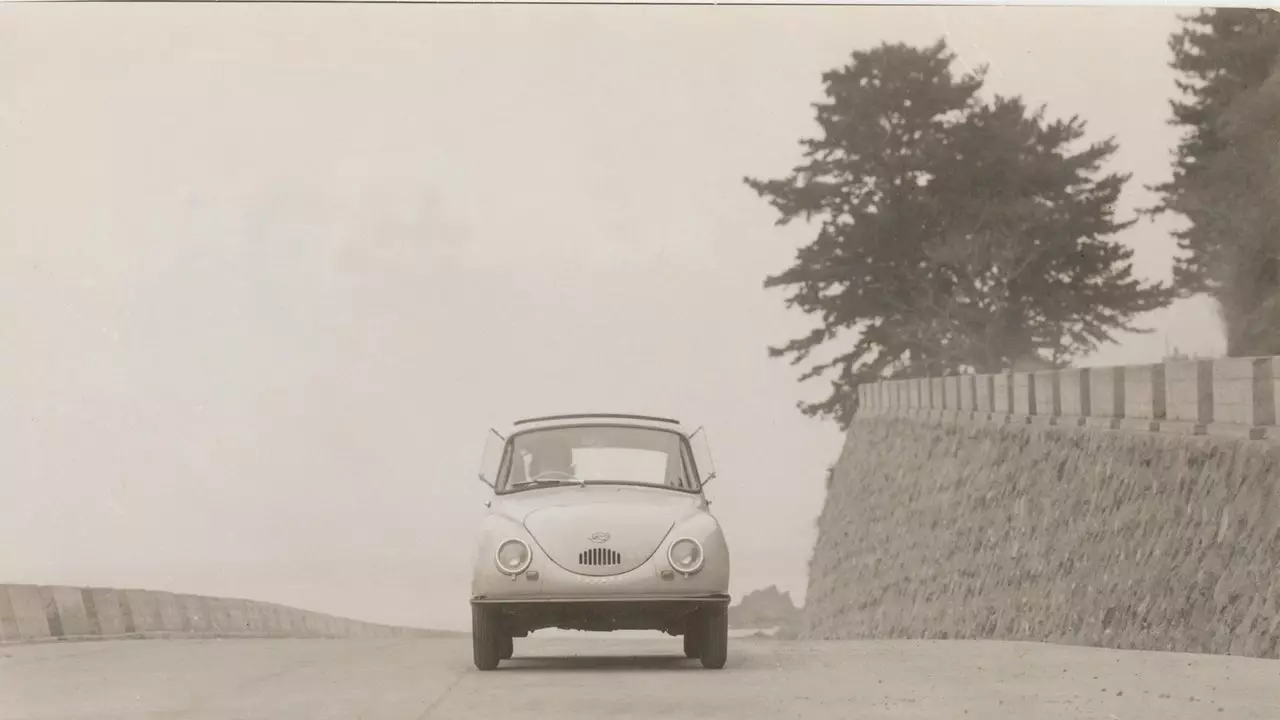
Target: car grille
x=598 y=557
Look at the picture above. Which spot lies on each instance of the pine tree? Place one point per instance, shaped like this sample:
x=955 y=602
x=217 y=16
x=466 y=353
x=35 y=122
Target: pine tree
x=953 y=233
x=1226 y=179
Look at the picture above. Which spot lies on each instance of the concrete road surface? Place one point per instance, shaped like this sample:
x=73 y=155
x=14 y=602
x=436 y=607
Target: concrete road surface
x=598 y=677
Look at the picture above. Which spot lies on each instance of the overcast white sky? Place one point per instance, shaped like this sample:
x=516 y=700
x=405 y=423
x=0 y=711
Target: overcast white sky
x=269 y=272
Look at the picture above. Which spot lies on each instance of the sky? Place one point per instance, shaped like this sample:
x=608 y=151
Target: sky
x=269 y=273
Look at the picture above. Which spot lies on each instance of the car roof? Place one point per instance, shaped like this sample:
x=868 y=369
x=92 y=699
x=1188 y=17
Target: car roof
x=627 y=419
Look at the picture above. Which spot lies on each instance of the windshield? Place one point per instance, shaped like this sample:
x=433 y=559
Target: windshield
x=598 y=454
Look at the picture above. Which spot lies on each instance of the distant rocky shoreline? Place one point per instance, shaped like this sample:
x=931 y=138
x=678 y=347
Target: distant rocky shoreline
x=769 y=610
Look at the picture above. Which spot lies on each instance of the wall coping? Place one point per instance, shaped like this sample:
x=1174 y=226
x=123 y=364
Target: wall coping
x=1231 y=397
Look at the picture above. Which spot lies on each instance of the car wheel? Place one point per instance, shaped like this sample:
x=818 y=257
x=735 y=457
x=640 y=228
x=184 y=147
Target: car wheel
x=691 y=643
x=508 y=647
x=486 y=637
x=714 y=637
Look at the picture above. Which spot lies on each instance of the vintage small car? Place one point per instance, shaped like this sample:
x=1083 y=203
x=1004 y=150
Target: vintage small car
x=598 y=522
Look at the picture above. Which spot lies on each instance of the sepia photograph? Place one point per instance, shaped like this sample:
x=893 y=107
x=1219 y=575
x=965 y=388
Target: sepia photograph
x=413 y=360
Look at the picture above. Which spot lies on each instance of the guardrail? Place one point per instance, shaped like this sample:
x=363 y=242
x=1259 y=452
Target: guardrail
x=1232 y=397
x=34 y=613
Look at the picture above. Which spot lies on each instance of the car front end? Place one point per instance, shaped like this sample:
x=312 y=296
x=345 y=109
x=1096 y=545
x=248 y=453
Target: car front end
x=600 y=554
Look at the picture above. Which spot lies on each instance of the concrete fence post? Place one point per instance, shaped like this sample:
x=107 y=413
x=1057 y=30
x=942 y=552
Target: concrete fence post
x=951 y=391
x=195 y=610
x=968 y=396
x=220 y=613
x=1243 y=397
x=65 y=611
x=915 y=395
x=172 y=617
x=1048 y=397
x=238 y=614
x=1274 y=432
x=8 y=618
x=984 y=394
x=1074 y=396
x=1188 y=392
x=107 y=611
x=1024 y=396
x=140 y=606
x=1002 y=397
x=1106 y=397
x=1144 y=400
x=30 y=621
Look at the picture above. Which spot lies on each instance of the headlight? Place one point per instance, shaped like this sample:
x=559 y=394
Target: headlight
x=513 y=557
x=685 y=556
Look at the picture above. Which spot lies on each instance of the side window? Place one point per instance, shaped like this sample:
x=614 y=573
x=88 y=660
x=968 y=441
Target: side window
x=702 y=456
x=687 y=469
x=491 y=460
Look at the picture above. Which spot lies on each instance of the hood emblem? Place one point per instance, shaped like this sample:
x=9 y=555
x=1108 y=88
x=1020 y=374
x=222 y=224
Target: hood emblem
x=599 y=537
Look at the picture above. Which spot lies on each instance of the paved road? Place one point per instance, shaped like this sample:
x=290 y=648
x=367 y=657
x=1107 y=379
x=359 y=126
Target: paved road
x=600 y=677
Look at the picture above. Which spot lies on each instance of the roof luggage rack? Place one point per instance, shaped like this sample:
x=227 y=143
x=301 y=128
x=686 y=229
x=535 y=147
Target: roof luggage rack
x=573 y=416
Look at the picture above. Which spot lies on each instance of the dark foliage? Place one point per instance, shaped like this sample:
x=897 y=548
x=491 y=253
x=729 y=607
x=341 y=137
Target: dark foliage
x=952 y=233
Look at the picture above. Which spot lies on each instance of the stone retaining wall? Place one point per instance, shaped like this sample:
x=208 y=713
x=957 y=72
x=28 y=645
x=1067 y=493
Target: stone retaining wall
x=1131 y=507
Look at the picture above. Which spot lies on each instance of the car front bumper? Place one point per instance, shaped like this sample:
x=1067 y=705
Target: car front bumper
x=693 y=600
x=669 y=614
x=545 y=581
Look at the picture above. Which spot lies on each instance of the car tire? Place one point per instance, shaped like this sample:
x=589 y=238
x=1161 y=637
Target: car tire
x=692 y=645
x=714 y=637
x=508 y=647
x=486 y=637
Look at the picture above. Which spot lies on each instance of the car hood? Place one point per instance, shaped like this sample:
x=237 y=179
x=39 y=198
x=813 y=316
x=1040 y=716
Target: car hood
x=600 y=529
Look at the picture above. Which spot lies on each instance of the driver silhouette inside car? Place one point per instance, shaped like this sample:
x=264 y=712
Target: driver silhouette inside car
x=552 y=462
